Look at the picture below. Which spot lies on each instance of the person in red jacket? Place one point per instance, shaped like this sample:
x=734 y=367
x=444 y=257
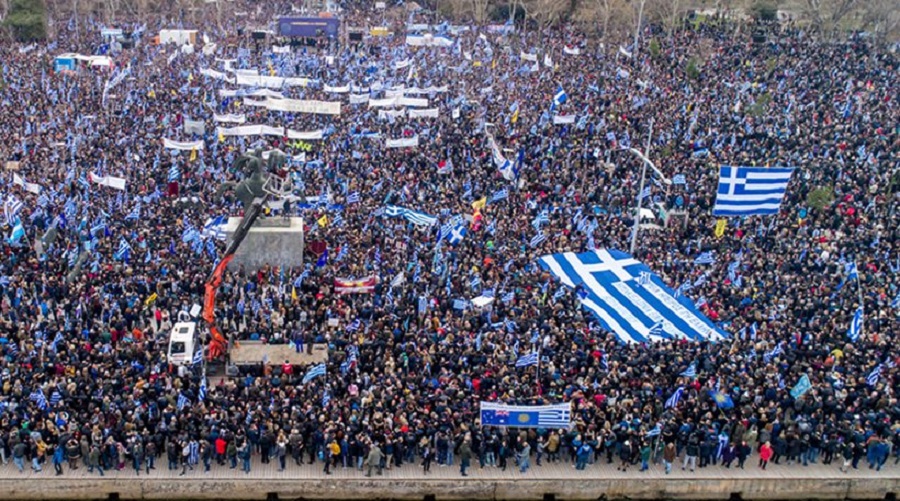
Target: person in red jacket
x=221 y=444
x=765 y=454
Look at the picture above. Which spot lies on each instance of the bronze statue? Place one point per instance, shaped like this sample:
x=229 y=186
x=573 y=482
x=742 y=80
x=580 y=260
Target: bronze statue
x=257 y=171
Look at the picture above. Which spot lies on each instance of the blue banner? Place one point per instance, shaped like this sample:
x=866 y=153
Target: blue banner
x=802 y=387
x=526 y=416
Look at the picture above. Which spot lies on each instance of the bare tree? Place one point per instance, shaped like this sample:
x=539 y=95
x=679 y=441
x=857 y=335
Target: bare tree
x=827 y=15
x=546 y=12
x=639 y=19
x=604 y=7
x=479 y=10
x=882 y=18
x=669 y=13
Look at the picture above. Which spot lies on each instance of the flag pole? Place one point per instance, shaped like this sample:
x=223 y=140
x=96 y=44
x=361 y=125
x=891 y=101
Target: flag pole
x=859 y=290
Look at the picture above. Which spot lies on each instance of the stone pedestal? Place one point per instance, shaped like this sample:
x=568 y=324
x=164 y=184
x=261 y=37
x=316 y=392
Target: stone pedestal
x=272 y=241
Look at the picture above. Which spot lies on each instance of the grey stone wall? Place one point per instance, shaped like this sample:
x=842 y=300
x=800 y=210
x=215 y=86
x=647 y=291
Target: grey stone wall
x=446 y=489
x=269 y=243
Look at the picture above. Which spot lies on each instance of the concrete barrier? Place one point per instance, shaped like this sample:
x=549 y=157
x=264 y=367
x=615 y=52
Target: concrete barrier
x=449 y=489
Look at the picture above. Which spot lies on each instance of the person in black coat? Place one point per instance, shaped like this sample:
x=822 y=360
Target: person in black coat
x=743 y=451
x=729 y=454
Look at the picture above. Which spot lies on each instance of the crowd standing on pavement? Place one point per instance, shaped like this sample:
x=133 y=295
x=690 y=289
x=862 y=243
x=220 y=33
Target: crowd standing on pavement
x=85 y=380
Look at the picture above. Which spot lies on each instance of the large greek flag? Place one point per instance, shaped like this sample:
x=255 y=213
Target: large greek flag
x=749 y=191
x=612 y=289
x=526 y=416
x=414 y=217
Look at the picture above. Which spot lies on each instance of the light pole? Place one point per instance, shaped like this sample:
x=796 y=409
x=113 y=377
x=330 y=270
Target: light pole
x=645 y=162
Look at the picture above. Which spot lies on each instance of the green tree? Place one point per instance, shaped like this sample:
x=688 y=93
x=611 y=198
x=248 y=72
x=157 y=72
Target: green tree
x=820 y=198
x=692 y=70
x=654 y=49
x=27 y=20
x=759 y=108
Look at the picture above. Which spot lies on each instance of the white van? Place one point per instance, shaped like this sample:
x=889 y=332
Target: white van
x=182 y=343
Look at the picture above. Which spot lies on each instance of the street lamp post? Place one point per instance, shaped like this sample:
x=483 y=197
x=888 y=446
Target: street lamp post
x=645 y=162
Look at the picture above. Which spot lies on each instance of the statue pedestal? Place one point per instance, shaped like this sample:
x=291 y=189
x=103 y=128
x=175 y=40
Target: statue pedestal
x=273 y=241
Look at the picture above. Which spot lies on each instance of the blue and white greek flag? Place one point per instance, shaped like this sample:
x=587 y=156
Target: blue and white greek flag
x=501 y=194
x=135 y=213
x=202 y=393
x=526 y=416
x=198 y=356
x=417 y=218
x=538 y=239
x=183 y=401
x=353 y=198
x=852 y=271
x=774 y=352
x=215 y=227
x=691 y=371
x=457 y=234
x=705 y=258
x=528 y=360
x=559 y=98
x=645 y=193
x=678 y=179
x=654 y=432
x=675 y=398
x=749 y=191
x=38 y=397
x=314 y=372
x=856 y=325
x=124 y=249
x=874 y=376
x=174 y=173
x=612 y=293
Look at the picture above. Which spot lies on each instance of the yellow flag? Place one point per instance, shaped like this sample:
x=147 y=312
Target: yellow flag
x=221 y=137
x=193 y=154
x=479 y=204
x=150 y=299
x=515 y=116
x=476 y=64
x=493 y=63
x=720 y=227
x=323 y=220
x=293 y=293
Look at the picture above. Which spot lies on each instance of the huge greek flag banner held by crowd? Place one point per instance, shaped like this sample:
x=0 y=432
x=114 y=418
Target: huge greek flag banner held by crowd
x=750 y=191
x=526 y=416
x=610 y=288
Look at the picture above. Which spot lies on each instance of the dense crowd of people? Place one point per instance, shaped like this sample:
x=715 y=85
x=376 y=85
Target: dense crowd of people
x=93 y=278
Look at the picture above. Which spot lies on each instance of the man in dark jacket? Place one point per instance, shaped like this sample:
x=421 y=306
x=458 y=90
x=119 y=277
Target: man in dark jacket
x=465 y=456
